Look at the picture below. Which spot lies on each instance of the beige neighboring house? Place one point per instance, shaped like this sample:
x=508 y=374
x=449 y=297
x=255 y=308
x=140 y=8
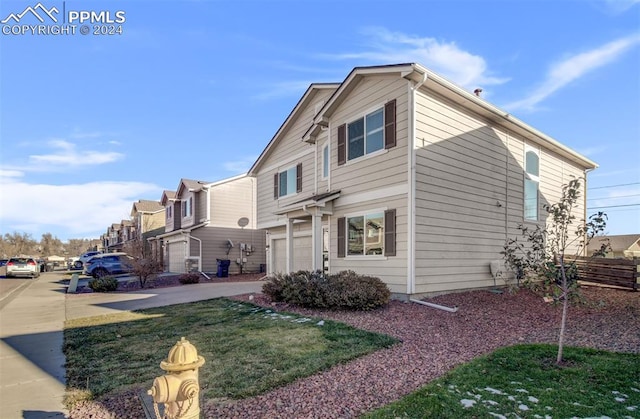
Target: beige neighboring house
x=398 y=173
x=147 y=216
x=207 y=221
x=622 y=246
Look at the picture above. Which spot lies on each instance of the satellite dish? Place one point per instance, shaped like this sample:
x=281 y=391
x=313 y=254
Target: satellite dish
x=243 y=222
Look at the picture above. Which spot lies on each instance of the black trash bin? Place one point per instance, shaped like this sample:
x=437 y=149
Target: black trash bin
x=223 y=268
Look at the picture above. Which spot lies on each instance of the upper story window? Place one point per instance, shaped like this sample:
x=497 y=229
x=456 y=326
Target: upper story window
x=187 y=207
x=531 y=183
x=287 y=182
x=365 y=135
x=325 y=161
x=169 y=211
x=373 y=132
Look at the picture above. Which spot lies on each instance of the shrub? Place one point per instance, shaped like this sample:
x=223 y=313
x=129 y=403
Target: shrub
x=189 y=278
x=346 y=290
x=350 y=290
x=104 y=284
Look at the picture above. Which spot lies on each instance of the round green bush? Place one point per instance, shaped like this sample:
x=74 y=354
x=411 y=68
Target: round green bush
x=344 y=290
x=104 y=284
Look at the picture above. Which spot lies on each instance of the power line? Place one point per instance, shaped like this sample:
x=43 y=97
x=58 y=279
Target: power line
x=614 y=186
x=613 y=197
x=615 y=206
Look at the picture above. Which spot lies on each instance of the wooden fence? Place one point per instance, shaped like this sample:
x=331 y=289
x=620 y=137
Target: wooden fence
x=618 y=272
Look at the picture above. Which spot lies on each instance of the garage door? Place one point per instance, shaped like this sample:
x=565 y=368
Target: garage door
x=175 y=255
x=301 y=254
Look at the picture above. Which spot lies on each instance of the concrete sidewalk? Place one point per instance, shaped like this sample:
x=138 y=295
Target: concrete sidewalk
x=32 y=382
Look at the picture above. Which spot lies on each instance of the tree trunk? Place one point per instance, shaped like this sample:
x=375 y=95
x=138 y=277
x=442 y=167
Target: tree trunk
x=565 y=309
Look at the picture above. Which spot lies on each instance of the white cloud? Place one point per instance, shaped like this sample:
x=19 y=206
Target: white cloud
x=79 y=210
x=572 y=68
x=10 y=173
x=446 y=58
x=620 y=6
x=64 y=155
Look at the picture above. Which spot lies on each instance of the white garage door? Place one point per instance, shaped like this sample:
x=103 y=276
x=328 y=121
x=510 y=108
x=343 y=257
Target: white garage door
x=175 y=254
x=301 y=254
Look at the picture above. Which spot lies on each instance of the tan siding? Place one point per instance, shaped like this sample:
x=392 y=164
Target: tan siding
x=281 y=158
x=465 y=167
x=379 y=170
x=461 y=196
x=231 y=201
x=214 y=246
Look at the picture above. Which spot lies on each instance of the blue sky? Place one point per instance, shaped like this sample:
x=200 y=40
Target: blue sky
x=90 y=123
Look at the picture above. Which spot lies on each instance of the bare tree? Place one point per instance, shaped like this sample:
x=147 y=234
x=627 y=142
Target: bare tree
x=13 y=244
x=551 y=252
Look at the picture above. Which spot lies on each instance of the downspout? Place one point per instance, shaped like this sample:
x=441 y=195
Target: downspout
x=434 y=305
x=411 y=216
x=199 y=252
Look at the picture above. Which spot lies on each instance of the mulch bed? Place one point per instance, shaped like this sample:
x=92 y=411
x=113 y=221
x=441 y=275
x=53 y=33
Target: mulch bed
x=432 y=342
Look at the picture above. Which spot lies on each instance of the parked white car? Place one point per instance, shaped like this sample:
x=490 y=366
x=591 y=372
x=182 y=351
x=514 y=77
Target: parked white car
x=23 y=266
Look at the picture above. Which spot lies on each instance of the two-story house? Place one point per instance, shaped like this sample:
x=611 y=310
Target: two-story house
x=147 y=217
x=207 y=221
x=401 y=174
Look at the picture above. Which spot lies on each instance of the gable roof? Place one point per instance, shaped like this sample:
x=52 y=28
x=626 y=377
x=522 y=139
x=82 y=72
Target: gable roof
x=167 y=196
x=430 y=80
x=300 y=106
x=146 y=206
x=618 y=243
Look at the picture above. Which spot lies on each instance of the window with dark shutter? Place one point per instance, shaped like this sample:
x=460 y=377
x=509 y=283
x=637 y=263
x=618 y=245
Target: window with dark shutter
x=275 y=186
x=390 y=124
x=342 y=144
x=390 y=232
x=299 y=177
x=341 y=237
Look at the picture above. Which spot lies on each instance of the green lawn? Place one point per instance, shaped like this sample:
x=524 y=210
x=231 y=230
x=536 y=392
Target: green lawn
x=247 y=349
x=523 y=381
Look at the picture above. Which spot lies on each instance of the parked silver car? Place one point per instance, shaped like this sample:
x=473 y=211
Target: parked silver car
x=23 y=266
x=107 y=264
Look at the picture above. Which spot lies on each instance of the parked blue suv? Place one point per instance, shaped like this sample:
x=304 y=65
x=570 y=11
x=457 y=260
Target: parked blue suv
x=108 y=264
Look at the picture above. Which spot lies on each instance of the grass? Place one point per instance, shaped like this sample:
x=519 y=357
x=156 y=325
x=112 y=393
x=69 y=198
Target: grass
x=247 y=349
x=524 y=381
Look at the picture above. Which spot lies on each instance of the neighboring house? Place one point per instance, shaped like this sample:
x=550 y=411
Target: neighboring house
x=206 y=221
x=622 y=246
x=113 y=238
x=400 y=174
x=148 y=218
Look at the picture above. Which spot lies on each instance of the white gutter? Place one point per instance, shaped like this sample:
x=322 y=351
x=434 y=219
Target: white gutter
x=434 y=305
x=411 y=198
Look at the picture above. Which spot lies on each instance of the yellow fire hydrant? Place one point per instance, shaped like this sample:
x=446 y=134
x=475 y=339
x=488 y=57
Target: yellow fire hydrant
x=179 y=390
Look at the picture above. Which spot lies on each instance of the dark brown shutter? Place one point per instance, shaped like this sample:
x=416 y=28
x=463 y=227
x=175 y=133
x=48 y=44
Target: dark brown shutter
x=342 y=144
x=275 y=186
x=390 y=232
x=341 y=237
x=299 y=177
x=390 y=124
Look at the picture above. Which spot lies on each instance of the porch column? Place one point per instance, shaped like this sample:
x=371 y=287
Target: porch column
x=289 y=245
x=316 y=242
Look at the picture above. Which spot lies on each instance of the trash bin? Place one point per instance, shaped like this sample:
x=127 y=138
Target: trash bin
x=223 y=268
